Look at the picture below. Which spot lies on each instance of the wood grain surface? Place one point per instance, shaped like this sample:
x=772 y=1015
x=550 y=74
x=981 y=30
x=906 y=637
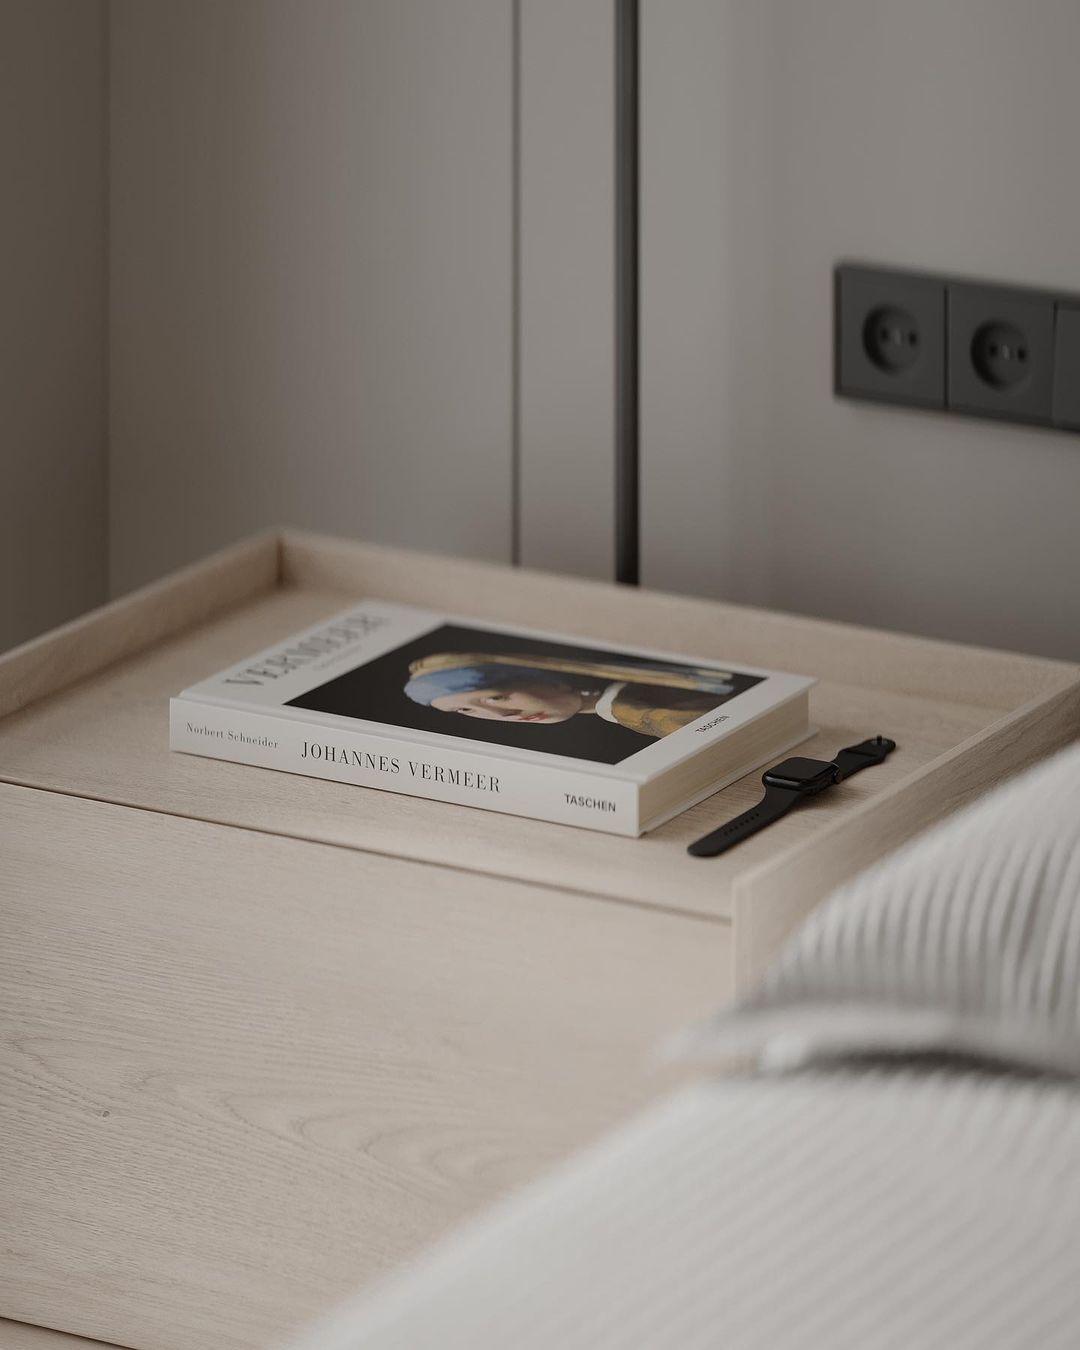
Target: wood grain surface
x=60 y=658
x=242 y=1074
x=23 y=1336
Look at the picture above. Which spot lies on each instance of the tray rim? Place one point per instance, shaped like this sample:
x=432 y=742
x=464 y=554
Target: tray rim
x=278 y=557
x=766 y=900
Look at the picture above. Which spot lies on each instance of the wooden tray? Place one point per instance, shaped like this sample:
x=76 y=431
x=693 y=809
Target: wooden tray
x=85 y=712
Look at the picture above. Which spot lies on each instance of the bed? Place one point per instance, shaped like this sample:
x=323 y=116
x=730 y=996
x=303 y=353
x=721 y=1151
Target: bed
x=884 y=1151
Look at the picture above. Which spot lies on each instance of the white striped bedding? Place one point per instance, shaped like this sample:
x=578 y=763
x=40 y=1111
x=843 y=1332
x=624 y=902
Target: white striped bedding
x=967 y=940
x=838 y=1210
x=893 y=1207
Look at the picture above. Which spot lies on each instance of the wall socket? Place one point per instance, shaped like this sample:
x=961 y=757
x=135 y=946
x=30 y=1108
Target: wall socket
x=890 y=336
x=975 y=348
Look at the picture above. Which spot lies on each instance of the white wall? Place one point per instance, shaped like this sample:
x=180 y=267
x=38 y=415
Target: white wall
x=778 y=137
x=52 y=276
x=310 y=274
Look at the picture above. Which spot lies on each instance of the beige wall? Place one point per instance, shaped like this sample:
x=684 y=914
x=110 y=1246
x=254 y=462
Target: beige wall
x=52 y=278
x=778 y=137
x=310 y=275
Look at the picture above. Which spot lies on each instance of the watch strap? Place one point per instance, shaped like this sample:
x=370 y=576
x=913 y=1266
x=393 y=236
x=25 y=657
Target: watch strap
x=776 y=802
x=862 y=756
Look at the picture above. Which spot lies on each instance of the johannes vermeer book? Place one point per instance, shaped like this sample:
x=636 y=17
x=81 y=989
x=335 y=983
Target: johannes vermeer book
x=530 y=723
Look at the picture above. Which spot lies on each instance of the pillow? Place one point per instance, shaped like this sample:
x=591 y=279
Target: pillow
x=965 y=941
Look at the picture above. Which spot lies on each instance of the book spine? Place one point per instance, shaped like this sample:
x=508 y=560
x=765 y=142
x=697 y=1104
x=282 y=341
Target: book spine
x=490 y=782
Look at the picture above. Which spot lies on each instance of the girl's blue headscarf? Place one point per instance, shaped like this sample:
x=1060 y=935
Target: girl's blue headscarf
x=449 y=673
x=425 y=689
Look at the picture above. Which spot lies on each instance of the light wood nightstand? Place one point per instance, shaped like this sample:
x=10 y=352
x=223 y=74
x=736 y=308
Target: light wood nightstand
x=266 y=1035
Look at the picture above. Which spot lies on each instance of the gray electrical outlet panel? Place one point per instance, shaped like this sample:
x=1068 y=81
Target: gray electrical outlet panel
x=957 y=345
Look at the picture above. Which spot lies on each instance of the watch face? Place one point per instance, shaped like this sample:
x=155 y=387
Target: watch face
x=808 y=775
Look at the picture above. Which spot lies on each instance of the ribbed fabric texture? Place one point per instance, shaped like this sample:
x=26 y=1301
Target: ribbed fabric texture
x=968 y=939
x=815 y=1211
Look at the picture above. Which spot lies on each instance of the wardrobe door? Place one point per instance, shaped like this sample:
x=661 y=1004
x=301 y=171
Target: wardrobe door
x=311 y=274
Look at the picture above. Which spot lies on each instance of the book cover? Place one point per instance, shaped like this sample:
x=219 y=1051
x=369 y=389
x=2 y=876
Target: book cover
x=390 y=696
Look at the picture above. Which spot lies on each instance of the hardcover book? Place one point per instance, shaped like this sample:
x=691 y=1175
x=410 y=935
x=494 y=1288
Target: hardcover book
x=530 y=723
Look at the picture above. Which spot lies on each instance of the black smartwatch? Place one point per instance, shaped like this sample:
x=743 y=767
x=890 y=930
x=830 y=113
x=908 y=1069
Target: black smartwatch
x=786 y=785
